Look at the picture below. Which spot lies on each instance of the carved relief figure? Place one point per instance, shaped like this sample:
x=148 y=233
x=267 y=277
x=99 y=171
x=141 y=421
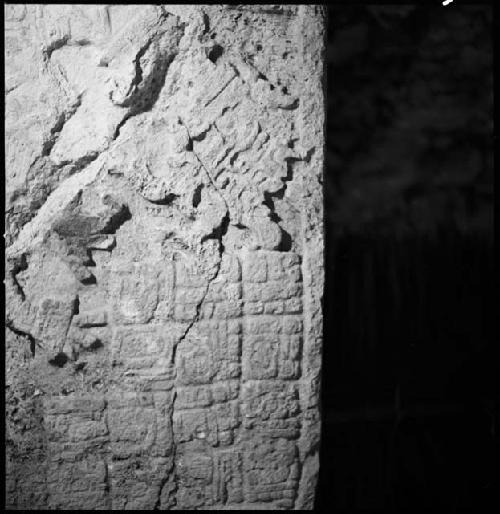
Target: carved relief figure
x=164 y=252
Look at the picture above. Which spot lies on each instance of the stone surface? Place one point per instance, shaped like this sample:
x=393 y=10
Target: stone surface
x=164 y=260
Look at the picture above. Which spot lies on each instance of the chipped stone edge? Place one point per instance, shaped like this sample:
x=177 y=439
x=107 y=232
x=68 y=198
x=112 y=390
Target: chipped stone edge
x=311 y=41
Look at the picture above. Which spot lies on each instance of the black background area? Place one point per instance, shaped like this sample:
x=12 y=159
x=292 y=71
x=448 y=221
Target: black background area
x=408 y=391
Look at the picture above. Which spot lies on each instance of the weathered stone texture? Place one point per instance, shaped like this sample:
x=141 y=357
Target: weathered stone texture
x=164 y=256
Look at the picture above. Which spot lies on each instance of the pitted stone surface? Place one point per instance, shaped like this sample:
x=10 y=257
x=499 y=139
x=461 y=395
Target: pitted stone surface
x=164 y=260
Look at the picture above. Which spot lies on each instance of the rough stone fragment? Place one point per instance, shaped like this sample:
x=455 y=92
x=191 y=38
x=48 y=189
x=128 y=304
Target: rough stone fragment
x=164 y=256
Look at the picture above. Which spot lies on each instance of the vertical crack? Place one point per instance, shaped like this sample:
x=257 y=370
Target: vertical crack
x=107 y=478
x=218 y=233
x=20 y=264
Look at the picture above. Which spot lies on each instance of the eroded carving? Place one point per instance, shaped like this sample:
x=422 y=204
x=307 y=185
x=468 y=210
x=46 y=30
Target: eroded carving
x=159 y=251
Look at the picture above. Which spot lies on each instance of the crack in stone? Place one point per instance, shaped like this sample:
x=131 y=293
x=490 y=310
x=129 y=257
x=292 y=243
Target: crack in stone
x=309 y=453
x=164 y=481
x=138 y=69
x=55 y=45
x=228 y=83
x=137 y=62
x=209 y=175
x=20 y=264
x=22 y=333
x=219 y=234
x=56 y=130
x=107 y=478
x=223 y=230
x=10 y=89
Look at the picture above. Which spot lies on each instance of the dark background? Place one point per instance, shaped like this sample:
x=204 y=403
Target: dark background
x=408 y=392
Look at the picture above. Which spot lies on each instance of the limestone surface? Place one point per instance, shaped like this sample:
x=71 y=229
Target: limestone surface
x=164 y=256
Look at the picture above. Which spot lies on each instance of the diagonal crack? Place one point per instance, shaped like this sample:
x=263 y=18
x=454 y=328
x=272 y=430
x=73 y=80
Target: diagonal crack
x=219 y=233
x=226 y=85
x=59 y=125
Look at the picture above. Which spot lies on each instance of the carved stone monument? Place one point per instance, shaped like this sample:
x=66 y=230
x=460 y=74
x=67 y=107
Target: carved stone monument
x=164 y=256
